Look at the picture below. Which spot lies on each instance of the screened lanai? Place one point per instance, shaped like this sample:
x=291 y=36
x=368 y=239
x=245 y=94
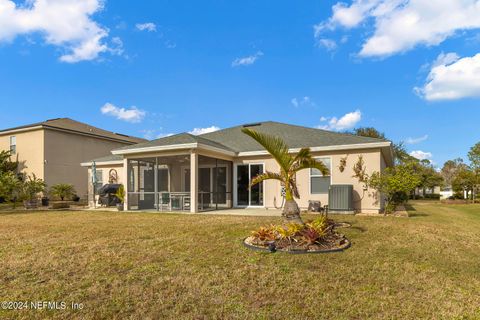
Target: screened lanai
x=166 y=183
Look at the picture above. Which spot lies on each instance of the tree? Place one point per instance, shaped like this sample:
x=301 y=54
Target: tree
x=474 y=157
x=395 y=183
x=63 y=191
x=9 y=182
x=450 y=169
x=429 y=177
x=465 y=180
x=289 y=166
x=6 y=164
x=369 y=132
x=399 y=152
x=9 y=185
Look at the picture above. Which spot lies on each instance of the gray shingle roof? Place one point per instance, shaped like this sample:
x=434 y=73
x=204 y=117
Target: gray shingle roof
x=79 y=127
x=112 y=157
x=232 y=139
x=181 y=138
x=294 y=136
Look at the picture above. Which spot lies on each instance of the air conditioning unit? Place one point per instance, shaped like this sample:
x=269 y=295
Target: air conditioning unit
x=340 y=199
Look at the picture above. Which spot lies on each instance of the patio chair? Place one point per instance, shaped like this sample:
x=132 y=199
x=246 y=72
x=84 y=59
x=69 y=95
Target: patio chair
x=164 y=202
x=186 y=203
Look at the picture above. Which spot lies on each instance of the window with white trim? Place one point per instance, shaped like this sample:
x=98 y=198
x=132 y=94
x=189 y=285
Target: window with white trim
x=13 y=145
x=319 y=184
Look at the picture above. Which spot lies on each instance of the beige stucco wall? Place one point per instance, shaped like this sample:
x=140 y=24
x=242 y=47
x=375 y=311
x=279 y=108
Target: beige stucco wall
x=30 y=150
x=65 y=151
x=364 y=201
x=55 y=156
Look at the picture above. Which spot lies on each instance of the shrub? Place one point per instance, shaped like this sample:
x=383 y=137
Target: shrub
x=310 y=235
x=120 y=194
x=287 y=232
x=319 y=225
x=32 y=187
x=63 y=191
x=313 y=232
x=433 y=196
x=265 y=233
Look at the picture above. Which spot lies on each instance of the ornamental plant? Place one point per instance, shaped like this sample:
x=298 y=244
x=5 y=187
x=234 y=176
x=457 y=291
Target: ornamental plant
x=32 y=187
x=63 y=191
x=289 y=165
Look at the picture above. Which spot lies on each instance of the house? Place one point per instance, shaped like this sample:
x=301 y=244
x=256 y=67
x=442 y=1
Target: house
x=213 y=170
x=54 y=149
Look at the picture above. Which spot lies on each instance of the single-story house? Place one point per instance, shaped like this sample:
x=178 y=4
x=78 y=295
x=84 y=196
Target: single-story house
x=213 y=170
x=53 y=149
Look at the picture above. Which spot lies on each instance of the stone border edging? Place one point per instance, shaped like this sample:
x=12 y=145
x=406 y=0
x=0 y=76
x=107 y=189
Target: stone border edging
x=255 y=248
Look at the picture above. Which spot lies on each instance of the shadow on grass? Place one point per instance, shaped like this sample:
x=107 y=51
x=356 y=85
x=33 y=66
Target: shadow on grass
x=361 y=229
x=13 y=212
x=412 y=212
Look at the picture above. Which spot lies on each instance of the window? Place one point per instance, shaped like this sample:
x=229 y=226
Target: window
x=99 y=179
x=319 y=183
x=13 y=145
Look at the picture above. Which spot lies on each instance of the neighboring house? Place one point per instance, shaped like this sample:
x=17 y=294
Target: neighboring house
x=214 y=170
x=446 y=192
x=54 y=149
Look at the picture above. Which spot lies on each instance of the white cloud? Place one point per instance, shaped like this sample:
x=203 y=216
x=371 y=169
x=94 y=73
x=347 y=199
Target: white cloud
x=132 y=114
x=416 y=140
x=65 y=24
x=401 y=25
x=151 y=134
x=445 y=59
x=452 y=78
x=328 y=44
x=297 y=102
x=246 y=61
x=348 y=121
x=199 y=131
x=421 y=155
x=147 y=26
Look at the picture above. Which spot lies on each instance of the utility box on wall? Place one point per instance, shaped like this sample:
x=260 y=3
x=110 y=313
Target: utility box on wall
x=340 y=199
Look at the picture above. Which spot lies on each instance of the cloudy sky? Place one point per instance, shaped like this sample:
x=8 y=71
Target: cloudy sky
x=410 y=68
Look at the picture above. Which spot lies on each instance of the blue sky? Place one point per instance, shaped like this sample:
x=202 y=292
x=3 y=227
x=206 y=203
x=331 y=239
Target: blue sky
x=152 y=68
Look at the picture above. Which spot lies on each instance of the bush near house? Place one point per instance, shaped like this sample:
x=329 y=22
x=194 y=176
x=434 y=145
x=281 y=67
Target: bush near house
x=63 y=191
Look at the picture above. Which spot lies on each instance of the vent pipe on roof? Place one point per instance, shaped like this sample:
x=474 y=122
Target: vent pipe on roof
x=252 y=124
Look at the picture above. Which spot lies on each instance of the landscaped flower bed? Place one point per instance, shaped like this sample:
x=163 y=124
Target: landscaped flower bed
x=317 y=235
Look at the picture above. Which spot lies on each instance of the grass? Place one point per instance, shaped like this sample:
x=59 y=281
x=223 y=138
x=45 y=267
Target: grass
x=146 y=265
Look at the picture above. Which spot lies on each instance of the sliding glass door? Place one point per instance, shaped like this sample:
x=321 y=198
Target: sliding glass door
x=247 y=196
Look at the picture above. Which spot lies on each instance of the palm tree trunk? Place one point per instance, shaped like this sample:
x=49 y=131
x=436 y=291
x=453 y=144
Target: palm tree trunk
x=291 y=212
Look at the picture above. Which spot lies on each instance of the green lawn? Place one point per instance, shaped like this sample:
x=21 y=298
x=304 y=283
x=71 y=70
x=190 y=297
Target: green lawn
x=147 y=265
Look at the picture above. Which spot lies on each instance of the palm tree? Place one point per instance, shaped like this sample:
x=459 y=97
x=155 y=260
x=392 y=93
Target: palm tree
x=289 y=164
x=63 y=191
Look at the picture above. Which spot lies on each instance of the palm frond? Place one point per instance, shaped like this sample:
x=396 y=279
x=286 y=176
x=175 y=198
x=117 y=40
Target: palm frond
x=304 y=153
x=266 y=176
x=274 y=145
x=311 y=163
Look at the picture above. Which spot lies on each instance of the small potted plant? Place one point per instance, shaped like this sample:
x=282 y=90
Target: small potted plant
x=30 y=190
x=120 y=194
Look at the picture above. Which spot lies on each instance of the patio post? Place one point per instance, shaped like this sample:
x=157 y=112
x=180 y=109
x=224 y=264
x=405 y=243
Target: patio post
x=193 y=182
x=125 y=183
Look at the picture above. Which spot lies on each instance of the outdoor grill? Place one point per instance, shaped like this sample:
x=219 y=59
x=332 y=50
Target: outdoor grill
x=106 y=195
